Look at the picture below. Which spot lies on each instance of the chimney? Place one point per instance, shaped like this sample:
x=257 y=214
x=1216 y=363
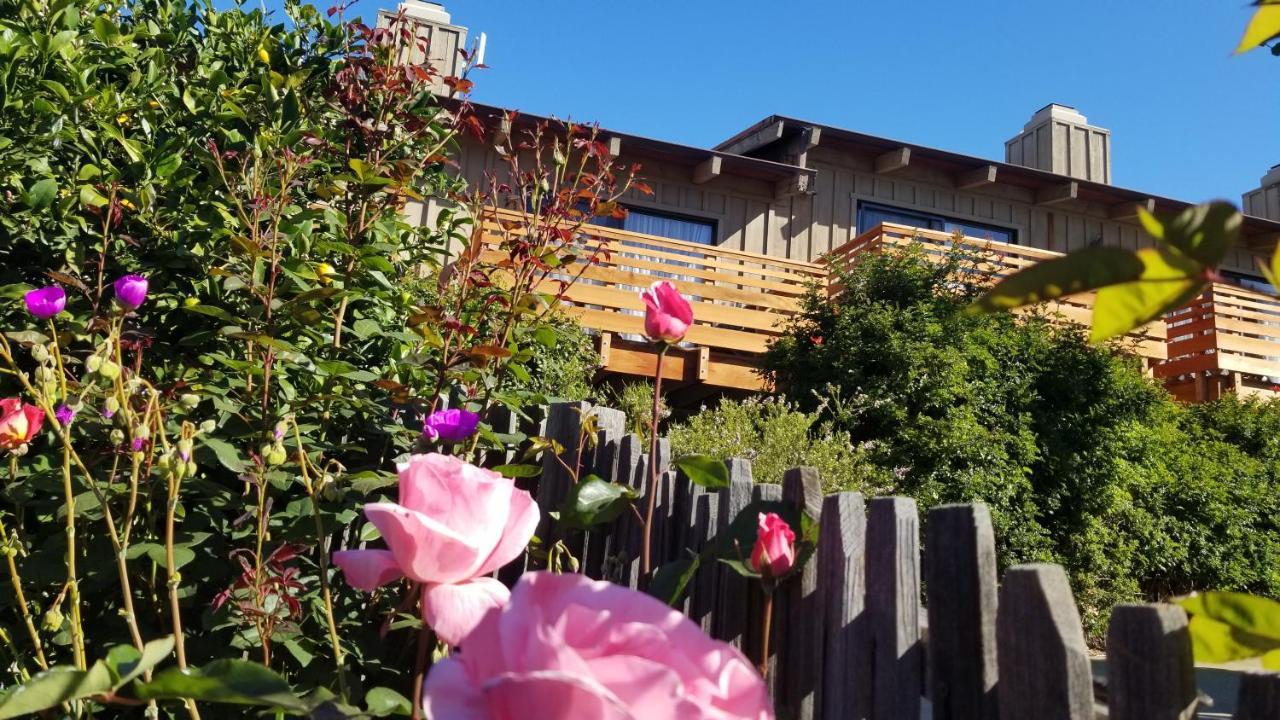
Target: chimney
x=1265 y=201
x=434 y=27
x=1059 y=139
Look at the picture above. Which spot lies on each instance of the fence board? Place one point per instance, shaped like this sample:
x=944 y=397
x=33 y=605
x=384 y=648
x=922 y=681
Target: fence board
x=1259 y=696
x=1150 y=673
x=611 y=425
x=893 y=607
x=798 y=607
x=625 y=545
x=960 y=574
x=1044 y=664
x=731 y=610
x=842 y=582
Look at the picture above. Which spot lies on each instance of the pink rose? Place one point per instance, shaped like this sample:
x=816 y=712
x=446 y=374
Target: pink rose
x=774 y=553
x=454 y=524
x=570 y=647
x=19 y=423
x=667 y=315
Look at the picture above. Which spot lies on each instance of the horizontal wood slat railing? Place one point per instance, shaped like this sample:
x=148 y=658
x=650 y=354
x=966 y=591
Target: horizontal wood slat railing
x=743 y=300
x=1228 y=329
x=998 y=260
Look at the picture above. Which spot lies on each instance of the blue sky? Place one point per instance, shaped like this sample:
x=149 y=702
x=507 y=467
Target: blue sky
x=1188 y=120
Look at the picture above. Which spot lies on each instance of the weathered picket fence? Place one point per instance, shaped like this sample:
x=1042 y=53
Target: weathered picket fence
x=849 y=637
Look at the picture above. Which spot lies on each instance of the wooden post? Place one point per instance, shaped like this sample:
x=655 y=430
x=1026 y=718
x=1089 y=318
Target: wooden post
x=1150 y=673
x=731 y=611
x=1044 y=664
x=1259 y=696
x=846 y=670
x=564 y=425
x=625 y=547
x=611 y=425
x=893 y=607
x=798 y=610
x=960 y=574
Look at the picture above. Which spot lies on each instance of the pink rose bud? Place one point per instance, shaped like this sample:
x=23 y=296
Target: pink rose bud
x=450 y=426
x=667 y=315
x=19 y=423
x=131 y=291
x=454 y=525
x=46 y=302
x=566 y=646
x=775 y=551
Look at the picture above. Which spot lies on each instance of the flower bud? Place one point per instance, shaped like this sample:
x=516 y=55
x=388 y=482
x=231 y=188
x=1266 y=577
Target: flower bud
x=42 y=374
x=117 y=436
x=163 y=461
x=276 y=454
x=39 y=353
x=191 y=467
x=109 y=370
x=52 y=621
x=141 y=432
x=93 y=363
x=208 y=426
x=110 y=406
x=189 y=401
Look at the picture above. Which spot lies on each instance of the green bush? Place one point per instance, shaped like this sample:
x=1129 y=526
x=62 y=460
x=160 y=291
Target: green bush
x=775 y=436
x=1080 y=457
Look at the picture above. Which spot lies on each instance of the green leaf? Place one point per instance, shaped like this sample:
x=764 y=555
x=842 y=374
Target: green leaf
x=384 y=701
x=53 y=687
x=1083 y=270
x=238 y=682
x=90 y=197
x=1205 y=233
x=41 y=194
x=1272 y=272
x=1228 y=626
x=127 y=663
x=595 y=502
x=225 y=453
x=1168 y=281
x=670 y=580
x=1264 y=25
x=518 y=471
x=704 y=470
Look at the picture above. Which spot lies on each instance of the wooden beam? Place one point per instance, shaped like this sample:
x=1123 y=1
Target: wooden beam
x=758 y=139
x=502 y=133
x=1058 y=193
x=976 y=177
x=1129 y=210
x=615 y=146
x=893 y=160
x=798 y=184
x=606 y=344
x=1262 y=241
x=707 y=170
x=704 y=363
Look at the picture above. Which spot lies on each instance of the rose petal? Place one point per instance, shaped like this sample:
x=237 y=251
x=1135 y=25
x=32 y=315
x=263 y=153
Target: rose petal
x=522 y=522
x=551 y=694
x=426 y=550
x=449 y=693
x=454 y=610
x=367 y=569
x=471 y=501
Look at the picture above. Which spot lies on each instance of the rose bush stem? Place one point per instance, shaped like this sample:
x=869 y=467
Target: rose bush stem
x=15 y=578
x=766 y=623
x=646 y=564
x=426 y=639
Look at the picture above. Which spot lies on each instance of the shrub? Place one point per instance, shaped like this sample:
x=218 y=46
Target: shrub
x=1081 y=459
x=775 y=436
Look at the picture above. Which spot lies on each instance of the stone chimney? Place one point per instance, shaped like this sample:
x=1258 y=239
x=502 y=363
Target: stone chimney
x=435 y=27
x=1059 y=139
x=1265 y=201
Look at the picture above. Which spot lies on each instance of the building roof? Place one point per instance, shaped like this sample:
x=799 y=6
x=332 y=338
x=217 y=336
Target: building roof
x=1256 y=231
x=660 y=150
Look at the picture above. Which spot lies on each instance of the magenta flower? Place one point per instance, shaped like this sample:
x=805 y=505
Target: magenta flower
x=46 y=302
x=667 y=315
x=450 y=426
x=131 y=291
x=774 y=553
x=64 y=415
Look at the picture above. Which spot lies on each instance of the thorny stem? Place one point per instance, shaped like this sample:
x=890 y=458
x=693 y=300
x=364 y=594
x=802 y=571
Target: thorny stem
x=654 y=474
x=322 y=540
x=174 y=580
x=426 y=640
x=10 y=552
x=766 y=629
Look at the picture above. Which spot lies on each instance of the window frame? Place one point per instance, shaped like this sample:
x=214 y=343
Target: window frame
x=941 y=219
x=662 y=212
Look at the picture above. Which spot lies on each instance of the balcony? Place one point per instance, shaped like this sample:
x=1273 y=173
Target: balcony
x=742 y=301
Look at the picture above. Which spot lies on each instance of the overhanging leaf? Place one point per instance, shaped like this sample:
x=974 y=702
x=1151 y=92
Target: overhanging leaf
x=1264 y=25
x=1083 y=270
x=595 y=502
x=704 y=470
x=1205 y=233
x=54 y=687
x=670 y=580
x=41 y=193
x=1168 y=281
x=385 y=701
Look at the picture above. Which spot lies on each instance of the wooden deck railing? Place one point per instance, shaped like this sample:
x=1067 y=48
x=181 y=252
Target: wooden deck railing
x=1228 y=329
x=998 y=260
x=742 y=300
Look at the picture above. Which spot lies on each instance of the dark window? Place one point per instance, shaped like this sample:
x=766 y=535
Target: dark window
x=872 y=214
x=660 y=224
x=1250 y=282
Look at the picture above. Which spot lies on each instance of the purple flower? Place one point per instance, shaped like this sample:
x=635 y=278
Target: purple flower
x=46 y=302
x=450 y=426
x=131 y=291
x=139 y=444
x=64 y=415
